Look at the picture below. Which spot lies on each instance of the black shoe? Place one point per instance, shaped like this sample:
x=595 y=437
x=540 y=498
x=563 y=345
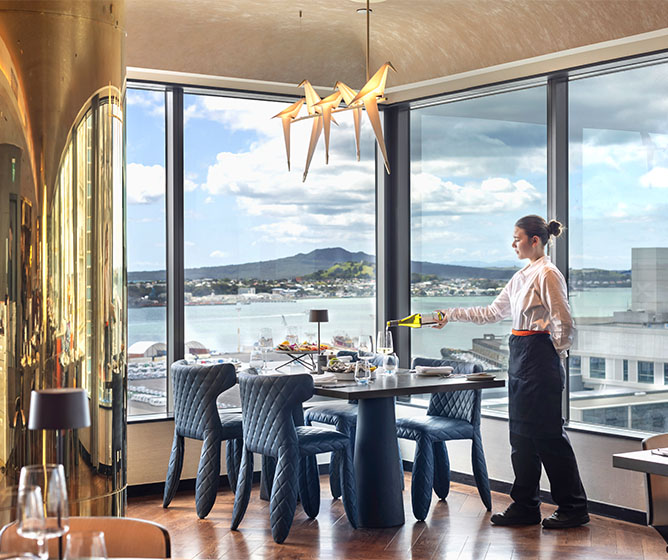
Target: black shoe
x=561 y=520
x=515 y=516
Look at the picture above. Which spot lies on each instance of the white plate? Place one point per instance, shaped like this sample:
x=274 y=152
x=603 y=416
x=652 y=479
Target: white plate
x=480 y=376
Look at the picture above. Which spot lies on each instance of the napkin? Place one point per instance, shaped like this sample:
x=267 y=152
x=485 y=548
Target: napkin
x=433 y=370
x=321 y=378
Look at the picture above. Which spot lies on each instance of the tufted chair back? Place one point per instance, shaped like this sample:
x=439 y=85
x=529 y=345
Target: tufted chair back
x=463 y=405
x=196 y=388
x=271 y=407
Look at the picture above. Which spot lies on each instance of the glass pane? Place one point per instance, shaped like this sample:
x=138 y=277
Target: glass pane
x=476 y=167
x=146 y=232
x=617 y=242
x=262 y=247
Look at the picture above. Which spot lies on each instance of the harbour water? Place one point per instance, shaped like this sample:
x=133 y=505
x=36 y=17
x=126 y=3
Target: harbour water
x=233 y=328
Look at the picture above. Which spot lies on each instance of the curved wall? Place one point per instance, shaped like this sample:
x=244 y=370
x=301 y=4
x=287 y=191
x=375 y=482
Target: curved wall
x=62 y=294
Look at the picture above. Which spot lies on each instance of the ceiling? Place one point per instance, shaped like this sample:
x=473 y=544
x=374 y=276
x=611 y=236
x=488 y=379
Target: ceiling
x=424 y=39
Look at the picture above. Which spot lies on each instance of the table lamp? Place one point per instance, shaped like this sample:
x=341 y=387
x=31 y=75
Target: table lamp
x=59 y=409
x=318 y=316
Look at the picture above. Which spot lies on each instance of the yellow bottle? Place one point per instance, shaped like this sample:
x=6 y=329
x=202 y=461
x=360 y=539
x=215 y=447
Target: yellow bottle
x=416 y=320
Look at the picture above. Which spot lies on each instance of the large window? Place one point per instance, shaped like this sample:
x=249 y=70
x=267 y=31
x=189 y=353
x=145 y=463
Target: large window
x=618 y=158
x=146 y=226
x=477 y=166
x=262 y=247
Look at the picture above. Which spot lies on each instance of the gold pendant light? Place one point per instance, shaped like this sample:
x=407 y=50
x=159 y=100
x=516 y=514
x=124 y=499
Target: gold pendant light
x=321 y=110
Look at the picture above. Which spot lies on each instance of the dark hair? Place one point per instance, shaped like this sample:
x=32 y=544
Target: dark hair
x=535 y=225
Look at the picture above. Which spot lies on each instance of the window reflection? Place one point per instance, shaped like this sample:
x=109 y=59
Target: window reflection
x=617 y=231
x=476 y=167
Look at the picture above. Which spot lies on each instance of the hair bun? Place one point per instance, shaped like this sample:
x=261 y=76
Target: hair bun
x=554 y=228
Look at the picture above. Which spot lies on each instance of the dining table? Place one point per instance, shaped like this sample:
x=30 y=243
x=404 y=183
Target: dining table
x=377 y=457
x=648 y=461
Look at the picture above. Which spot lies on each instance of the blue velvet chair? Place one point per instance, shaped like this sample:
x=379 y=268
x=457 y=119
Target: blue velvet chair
x=273 y=427
x=196 y=416
x=343 y=416
x=450 y=416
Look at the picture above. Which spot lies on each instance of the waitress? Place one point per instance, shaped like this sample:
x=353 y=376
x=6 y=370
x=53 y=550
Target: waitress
x=536 y=299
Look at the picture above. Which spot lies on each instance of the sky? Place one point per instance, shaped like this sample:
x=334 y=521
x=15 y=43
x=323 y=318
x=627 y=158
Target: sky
x=476 y=167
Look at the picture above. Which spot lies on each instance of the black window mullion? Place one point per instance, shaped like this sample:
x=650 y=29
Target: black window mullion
x=557 y=183
x=393 y=251
x=175 y=221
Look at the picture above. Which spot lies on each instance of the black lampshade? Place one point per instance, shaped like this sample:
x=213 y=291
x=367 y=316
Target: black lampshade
x=318 y=316
x=58 y=409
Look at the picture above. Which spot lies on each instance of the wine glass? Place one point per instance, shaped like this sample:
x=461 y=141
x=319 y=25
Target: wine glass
x=362 y=372
x=266 y=343
x=390 y=363
x=50 y=479
x=292 y=335
x=384 y=344
x=364 y=347
x=85 y=544
x=30 y=521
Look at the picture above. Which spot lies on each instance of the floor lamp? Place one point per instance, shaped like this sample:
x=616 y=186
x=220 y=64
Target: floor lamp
x=59 y=409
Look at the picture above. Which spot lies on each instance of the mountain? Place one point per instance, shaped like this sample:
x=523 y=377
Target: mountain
x=303 y=264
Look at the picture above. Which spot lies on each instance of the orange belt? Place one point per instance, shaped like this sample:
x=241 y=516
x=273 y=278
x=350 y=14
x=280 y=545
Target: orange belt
x=528 y=333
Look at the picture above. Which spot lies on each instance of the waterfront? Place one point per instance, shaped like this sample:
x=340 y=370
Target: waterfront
x=229 y=328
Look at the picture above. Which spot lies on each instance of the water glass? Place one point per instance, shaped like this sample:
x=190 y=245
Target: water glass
x=362 y=372
x=390 y=363
x=256 y=359
x=88 y=544
x=384 y=343
x=50 y=479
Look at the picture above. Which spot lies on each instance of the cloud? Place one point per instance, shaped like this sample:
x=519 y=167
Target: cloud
x=218 y=254
x=189 y=185
x=493 y=195
x=657 y=177
x=145 y=183
x=153 y=102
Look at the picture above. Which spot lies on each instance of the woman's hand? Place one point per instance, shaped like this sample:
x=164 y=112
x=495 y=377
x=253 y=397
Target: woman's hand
x=440 y=318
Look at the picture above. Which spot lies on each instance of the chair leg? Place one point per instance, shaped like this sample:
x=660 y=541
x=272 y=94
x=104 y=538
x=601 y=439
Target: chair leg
x=233 y=449
x=441 y=470
x=267 y=476
x=283 y=501
x=243 y=491
x=208 y=475
x=480 y=471
x=348 y=484
x=422 y=480
x=334 y=475
x=173 y=470
x=309 y=485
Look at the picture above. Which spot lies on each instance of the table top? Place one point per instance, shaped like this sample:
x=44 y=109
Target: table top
x=402 y=383
x=641 y=461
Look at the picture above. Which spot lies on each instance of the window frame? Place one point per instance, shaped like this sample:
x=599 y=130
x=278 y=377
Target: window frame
x=392 y=191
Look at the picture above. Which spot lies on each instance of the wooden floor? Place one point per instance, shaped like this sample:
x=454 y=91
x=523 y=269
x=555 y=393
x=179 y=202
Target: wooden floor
x=458 y=528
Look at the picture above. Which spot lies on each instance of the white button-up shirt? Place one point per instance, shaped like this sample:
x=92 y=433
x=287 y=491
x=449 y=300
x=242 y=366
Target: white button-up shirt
x=537 y=300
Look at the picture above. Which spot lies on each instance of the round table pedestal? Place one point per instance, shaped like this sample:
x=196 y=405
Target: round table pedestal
x=379 y=478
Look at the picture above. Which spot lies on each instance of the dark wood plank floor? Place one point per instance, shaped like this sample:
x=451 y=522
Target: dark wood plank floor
x=458 y=528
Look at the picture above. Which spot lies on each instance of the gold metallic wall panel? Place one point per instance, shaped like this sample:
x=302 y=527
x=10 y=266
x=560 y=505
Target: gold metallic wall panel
x=62 y=279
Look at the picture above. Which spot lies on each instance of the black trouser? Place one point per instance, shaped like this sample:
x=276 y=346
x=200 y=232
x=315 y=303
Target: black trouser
x=557 y=456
